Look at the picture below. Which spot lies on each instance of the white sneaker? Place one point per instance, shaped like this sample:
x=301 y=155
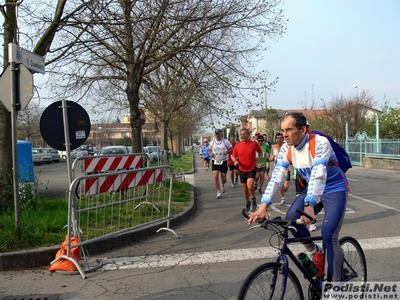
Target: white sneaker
x=312 y=227
x=311 y=254
x=223 y=189
x=233 y=185
x=218 y=195
x=283 y=202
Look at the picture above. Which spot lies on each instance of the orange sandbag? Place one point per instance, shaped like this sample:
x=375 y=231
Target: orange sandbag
x=65 y=264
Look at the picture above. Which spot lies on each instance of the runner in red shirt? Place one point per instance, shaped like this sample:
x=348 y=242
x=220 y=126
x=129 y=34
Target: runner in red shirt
x=244 y=156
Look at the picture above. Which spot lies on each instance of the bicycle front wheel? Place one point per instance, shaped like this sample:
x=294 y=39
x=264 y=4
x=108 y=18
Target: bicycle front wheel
x=355 y=265
x=267 y=282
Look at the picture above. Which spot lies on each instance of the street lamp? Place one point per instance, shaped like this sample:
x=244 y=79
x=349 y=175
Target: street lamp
x=356 y=87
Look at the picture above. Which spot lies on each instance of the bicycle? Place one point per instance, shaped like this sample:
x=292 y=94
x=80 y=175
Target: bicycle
x=276 y=280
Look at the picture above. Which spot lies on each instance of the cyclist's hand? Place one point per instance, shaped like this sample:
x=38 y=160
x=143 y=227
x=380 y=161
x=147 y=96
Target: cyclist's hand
x=310 y=211
x=260 y=213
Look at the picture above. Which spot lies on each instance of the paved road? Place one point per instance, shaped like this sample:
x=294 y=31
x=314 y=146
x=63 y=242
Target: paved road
x=216 y=250
x=53 y=179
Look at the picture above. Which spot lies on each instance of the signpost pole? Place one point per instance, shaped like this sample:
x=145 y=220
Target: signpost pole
x=14 y=103
x=64 y=107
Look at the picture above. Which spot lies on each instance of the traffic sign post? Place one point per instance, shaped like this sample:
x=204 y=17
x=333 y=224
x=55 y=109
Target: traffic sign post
x=16 y=86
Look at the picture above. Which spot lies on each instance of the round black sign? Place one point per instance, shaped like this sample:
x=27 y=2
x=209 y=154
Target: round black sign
x=52 y=125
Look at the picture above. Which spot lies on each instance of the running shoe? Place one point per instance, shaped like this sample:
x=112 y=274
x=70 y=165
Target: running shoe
x=260 y=191
x=218 y=195
x=223 y=189
x=236 y=180
x=312 y=227
x=248 y=206
x=233 y=185
x=312 y=254
x=283 y=202
x=253 y=204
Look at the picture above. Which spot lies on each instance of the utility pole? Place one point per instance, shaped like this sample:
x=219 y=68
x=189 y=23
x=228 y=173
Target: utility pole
x=265 y=103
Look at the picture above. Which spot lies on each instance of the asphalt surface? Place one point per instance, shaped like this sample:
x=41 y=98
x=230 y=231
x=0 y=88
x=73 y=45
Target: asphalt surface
x=216 y=250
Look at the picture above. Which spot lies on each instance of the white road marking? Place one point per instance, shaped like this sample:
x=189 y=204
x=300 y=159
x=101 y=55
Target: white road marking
x=198 y=258
x=376 y=203
x=351 y=179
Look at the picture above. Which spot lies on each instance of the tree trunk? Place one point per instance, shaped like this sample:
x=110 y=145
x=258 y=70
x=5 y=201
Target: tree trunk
x=5 y=148
x=10 y=26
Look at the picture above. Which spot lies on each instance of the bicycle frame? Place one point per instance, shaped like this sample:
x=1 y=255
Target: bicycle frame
x=283 y=256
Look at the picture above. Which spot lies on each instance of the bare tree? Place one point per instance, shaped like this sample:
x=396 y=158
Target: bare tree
x=355 y=110
x=28 y=123
x=117 y=44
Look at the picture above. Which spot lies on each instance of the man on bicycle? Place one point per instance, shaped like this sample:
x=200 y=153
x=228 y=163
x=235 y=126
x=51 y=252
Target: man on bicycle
x=327 y=188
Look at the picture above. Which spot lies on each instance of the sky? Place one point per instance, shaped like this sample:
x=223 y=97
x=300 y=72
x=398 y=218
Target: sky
x=332 y=46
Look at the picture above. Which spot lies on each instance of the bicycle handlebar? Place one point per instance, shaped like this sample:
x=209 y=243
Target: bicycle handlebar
x=283 y=223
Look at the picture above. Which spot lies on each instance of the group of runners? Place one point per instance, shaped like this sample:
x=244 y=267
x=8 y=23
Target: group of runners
x=220 y=153
x=248 y=160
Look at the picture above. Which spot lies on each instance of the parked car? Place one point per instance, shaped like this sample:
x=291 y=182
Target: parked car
x=149 y=153
x=55 y=155
x=96 y=151
x=74 y=154
x=46 y=154
x=86 y=150
x=112 y=150
x=156 y=152
x=37 y=157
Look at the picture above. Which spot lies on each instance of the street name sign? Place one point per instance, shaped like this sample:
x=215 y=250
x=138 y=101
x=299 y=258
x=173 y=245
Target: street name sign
x=30 y=60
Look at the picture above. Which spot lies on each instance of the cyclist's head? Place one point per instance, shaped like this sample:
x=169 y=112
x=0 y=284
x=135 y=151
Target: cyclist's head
x=299 y=119
x=294 y=128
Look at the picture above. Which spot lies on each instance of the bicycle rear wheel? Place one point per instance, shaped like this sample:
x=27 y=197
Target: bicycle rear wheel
x=355 y=266
x=266 y=282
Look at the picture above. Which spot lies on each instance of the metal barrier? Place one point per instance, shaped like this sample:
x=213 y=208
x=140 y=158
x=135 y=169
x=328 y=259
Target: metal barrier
x=110 y=202
x=109 y=163
x=180 y=174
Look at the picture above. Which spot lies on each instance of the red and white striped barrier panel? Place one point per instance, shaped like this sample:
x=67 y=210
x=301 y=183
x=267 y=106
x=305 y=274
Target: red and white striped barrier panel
x=114 y=182
x=105 y=164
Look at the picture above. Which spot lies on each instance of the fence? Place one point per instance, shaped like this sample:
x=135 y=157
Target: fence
x=115 y=195
x=361 y=145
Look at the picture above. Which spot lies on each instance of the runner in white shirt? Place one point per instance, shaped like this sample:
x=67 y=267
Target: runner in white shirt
x=219 y=150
